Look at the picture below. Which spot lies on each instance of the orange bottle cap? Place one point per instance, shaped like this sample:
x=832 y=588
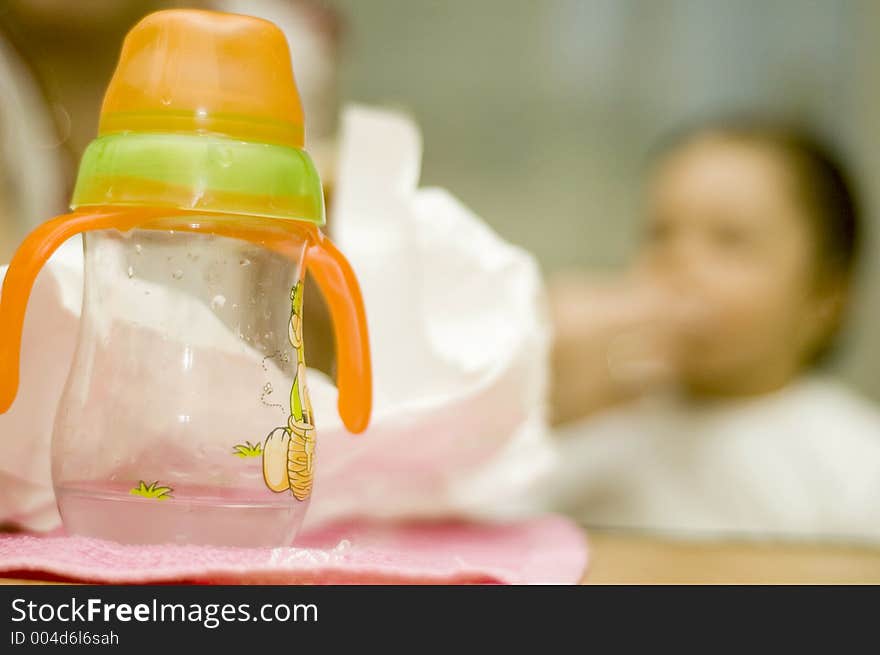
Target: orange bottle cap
x=190 y=71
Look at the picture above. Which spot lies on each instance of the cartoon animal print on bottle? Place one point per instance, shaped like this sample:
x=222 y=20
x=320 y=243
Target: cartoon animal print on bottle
x=288 y=453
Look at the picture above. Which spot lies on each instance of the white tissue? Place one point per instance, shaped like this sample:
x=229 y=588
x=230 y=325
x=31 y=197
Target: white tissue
x=459 y=339
x=50 y=330
x=459 y=344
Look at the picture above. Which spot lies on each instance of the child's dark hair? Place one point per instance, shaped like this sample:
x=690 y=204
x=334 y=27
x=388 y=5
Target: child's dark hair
x=822 y=185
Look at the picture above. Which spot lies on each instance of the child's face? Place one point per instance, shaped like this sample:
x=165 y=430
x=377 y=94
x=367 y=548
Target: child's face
x=728 y=239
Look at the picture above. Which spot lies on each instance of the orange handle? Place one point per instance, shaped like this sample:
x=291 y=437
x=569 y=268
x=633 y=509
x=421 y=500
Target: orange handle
x=22 y=273
x=339 y=285
x=332 y=271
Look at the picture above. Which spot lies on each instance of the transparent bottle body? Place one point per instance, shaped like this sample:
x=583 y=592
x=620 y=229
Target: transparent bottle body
x=183 y=367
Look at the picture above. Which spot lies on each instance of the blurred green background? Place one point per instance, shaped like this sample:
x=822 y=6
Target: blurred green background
x=540 y=115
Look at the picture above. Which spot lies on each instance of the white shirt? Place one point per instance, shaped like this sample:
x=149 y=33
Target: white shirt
x=804 y=461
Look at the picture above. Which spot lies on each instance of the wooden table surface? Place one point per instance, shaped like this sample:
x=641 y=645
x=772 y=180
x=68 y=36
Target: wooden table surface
x=622 y=558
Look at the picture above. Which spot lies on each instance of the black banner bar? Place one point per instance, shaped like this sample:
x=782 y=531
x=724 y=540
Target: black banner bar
x=165 y=619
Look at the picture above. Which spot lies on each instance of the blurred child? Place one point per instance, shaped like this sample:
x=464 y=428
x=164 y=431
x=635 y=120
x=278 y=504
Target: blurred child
x=705 y=358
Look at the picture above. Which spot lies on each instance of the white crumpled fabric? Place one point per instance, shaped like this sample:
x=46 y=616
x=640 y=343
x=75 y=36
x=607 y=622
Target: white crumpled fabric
x=48 y=343
x=458 y=336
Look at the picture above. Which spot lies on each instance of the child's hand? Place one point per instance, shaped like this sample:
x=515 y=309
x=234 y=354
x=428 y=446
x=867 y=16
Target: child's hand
x=614 y=339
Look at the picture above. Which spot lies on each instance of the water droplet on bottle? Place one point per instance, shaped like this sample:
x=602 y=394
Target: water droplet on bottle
x=165 y=100
x=218 y=301
x=234 y=306
x=244 y=261
x=177 y=274
x=138 y=248
x=267 y=388
x=130 y=272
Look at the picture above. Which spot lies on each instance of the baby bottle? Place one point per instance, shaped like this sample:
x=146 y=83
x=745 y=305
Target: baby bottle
x=186 y=415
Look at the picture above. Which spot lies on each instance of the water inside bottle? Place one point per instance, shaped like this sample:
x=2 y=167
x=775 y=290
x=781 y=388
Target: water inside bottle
x=194 y=515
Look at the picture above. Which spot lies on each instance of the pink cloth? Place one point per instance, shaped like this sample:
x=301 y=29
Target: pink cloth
x=549 y=550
